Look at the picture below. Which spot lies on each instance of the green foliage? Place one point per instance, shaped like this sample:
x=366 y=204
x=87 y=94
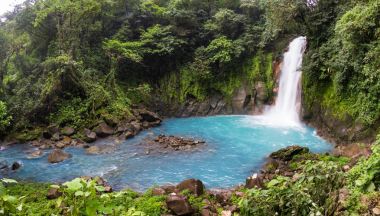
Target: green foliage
x=313 y=193
x=8 y=204
x=5 y=119
x=222 y=50
x=344 y=65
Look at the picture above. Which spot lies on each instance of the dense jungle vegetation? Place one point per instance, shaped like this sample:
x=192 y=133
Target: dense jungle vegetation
x=75 y=62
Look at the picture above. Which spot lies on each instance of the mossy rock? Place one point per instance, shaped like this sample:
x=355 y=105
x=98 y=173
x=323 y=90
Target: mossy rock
x=28 y=135
x=287 y=154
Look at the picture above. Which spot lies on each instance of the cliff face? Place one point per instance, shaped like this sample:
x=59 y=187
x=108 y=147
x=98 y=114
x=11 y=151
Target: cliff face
x=340 y=130
x=246 y=90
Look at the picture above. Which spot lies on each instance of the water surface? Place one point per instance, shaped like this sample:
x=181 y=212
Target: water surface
x=236 y=147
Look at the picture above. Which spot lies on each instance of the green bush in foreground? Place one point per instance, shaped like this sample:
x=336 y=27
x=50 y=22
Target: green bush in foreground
x=313 y=192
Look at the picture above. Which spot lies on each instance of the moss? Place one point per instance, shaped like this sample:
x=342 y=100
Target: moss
x=34 y=201
x=28 y=135
x=177 y=87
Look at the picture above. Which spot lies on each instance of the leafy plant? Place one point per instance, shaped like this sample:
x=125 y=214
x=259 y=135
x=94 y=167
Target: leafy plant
x=313 y=193
x=8 y=204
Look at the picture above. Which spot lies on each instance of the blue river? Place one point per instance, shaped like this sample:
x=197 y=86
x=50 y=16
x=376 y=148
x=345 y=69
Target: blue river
x=236 y=147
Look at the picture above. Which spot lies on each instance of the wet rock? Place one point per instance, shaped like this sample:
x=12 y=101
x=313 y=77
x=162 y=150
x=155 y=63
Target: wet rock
x=103 y=130
x=104 y=149
x=254 y=181
x=53 y=193
x=89 y=136
x=93 y=150
x=36 y=154
x=129 y=135
x=68 y=131
x=175 y=143
x=179 y=205
x=287 y=154
x=57 y=156
x=15 y=166
x=194 y=186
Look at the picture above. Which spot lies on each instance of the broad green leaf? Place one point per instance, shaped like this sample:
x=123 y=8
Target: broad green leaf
x=5 y=180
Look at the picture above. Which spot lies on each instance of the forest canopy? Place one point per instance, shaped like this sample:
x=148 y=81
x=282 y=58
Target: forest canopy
x=73 y=62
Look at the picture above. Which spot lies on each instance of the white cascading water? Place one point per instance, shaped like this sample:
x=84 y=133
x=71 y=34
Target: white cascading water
x=286 y=110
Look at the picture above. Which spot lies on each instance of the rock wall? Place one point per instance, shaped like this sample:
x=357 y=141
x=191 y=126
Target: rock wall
x=245 y=100
x=338 y=130
x=249 y=97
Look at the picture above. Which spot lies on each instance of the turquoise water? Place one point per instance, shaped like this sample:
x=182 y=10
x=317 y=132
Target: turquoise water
x=236 y=147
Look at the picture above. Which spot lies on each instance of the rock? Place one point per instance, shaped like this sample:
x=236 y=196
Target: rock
x=36 y=154
x=57 y=156
x=149 y=116
x=169 y=189
x=104 y=149
x=53 y=193
x=15 y=166
x=56 y=137
x=52 y=129
x=222 y=196
x=136 y=126
x=158 y=191
x=208 y=212
x=67 y=140
x=376 y=211
x=226 y=213
x=287 y=154
x=129 y=135
x=60 y=145
x=68 y=131
x=254 y=181
x=103 y=130
x=93 y=150
x=346 y=168
x=194 y=186
x=179 y=205
x=89 y=136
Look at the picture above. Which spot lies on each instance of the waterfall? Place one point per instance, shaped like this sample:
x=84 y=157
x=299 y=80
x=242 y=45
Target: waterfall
x=286 y=109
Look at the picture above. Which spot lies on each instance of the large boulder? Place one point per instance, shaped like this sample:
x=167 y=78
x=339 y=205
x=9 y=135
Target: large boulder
x=103 y=130
x=58 y=155
x=287 y=154
x=179 y=205
x=149 y=116
x=194 y=186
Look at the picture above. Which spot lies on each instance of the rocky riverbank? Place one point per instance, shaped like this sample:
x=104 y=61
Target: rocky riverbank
x=57 y=138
